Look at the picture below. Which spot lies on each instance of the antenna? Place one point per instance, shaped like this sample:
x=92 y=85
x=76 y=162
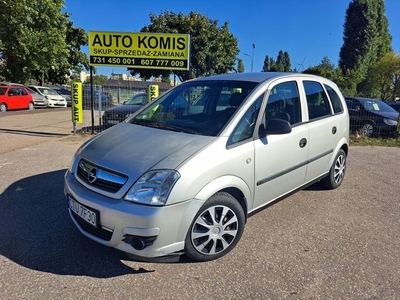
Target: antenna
x=301 y=65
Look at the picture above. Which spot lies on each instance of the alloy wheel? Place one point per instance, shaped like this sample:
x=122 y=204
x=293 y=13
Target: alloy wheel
x=214 y=230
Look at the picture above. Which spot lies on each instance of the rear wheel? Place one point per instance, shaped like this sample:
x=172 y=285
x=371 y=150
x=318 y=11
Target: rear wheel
x=337 y=172
x=3 y=107
x=216 y=229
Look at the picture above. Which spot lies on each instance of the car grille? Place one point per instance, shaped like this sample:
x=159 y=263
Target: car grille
x=97 y=232
x=100 y=178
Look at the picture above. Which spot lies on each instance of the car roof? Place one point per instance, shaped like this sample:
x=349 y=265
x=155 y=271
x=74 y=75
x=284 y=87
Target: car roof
x=10 y=84
x=362 y=99
x=256 y=76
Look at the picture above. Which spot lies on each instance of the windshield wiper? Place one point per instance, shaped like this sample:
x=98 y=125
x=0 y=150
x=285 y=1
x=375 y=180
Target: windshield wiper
x=165 y=126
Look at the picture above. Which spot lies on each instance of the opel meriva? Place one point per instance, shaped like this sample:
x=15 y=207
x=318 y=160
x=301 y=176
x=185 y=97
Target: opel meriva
x=185 y=171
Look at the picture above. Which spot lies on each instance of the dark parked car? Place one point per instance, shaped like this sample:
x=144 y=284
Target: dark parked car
x=395 y=105
x=372 y=117
x=63 y=92
x=119 y=113
x=104 y=97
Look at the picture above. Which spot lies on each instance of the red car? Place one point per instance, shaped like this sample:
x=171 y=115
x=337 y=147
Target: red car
x=15 y=97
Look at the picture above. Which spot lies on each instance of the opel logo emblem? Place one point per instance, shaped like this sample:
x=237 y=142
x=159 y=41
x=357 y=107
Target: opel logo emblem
x=92 y=175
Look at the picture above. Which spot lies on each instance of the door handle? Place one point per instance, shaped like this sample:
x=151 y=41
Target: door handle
x=303 y=143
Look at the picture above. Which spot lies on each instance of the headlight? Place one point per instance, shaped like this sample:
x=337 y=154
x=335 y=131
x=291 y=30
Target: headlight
x=390 y=122
x=153 y=188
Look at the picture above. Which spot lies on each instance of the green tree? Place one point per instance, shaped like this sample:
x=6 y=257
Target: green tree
x=76 y=60
x=283 y=62
x=35 y=42
x=240 y=68
x=213 y=49
x=97 y=79
x=384 y=77
x=327 y=69
x=366 y=38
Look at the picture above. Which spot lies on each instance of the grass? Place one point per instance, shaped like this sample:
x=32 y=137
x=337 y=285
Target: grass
x=357 y=139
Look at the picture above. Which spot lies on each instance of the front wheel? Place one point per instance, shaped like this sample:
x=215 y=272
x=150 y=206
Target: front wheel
x=336 y=174
x=30 y=106
x=216 y=229
x=368 y=129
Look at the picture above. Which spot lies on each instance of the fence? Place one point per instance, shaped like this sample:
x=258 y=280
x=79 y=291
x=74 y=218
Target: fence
x=368 y=117
x=104 y=98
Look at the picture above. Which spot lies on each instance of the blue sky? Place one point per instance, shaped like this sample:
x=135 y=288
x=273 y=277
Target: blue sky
x=308 y=30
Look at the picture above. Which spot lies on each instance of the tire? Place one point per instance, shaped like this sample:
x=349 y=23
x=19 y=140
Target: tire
x=336 y=174
x=30 y=106
x=368 y=129
x=210 y=237
x=3 y=107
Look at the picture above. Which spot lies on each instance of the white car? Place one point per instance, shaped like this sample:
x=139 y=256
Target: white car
x=54 y=99
x=171 y=179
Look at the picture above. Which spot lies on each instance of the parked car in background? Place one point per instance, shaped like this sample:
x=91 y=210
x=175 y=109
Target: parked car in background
x=395 y=105
x=53 y=98
x=102 y=98
x=40 y=101
x=168 y=179
x=119 y=113
x=63 y=92
x=371 y=116
x=14 y=97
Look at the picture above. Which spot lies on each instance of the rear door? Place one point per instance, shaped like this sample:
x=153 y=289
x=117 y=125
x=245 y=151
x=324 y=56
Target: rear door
x=13 y=98
x=324 y=127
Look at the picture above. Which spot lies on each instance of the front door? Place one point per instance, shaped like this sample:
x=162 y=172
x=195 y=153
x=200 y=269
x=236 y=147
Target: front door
x=281 y=160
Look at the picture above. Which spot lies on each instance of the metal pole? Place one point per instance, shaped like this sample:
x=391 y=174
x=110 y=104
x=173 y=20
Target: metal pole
x=91 y=97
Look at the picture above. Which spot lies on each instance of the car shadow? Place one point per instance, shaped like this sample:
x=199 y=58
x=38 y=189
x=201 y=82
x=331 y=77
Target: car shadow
x=36 y=232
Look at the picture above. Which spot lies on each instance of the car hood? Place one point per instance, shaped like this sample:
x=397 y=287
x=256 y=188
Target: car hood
x=124 y=109
x=388 y=114
x=133 y=149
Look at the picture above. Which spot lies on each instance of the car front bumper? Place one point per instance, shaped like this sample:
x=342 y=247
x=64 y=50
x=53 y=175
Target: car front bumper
x=122 y=221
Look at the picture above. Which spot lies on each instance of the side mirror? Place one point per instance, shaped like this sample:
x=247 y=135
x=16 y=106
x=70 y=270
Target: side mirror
x=275 y=126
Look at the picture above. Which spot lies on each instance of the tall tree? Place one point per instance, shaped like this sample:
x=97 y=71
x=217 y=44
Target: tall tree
x=384 y=77
x=34 y=39
x=281 y=64
x=268 y=64
x=366 y=37
x=240 y=68
x=213 y=49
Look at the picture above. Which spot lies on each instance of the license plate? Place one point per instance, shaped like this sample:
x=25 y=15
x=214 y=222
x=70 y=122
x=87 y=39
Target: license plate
x=112 y=122
x=83 y=212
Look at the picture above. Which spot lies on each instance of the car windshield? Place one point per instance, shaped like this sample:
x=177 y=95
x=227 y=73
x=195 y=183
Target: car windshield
x=200 y=107
x=31 y=91
x=47 y=91
x=377 y=105
x=137 y=100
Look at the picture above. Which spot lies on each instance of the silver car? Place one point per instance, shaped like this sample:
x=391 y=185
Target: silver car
x=175 y=178
x=53 y=98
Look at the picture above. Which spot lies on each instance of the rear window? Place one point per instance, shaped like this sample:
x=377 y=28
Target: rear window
x=2 y=91
x=335 y=99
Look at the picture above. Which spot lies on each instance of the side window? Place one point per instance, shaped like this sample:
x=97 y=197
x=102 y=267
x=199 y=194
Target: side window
x=317 y=100
x=23 y=92
x=245 y=128
x=12 y=92
x=283 y=103
x=335 y=99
